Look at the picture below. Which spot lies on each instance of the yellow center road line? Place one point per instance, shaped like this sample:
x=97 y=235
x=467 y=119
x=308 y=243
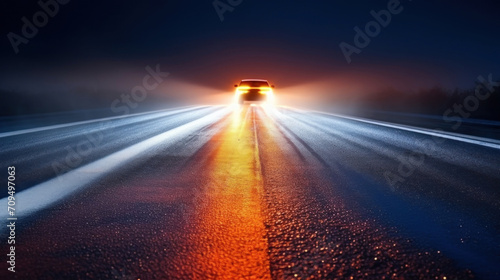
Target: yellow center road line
x=229 y=236
x=258 y=167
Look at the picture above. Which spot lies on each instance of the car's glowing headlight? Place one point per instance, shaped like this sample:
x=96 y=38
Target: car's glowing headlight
x=242 y=90
x=265 y=90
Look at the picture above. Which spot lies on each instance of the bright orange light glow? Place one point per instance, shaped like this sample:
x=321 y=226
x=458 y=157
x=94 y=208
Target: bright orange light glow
x=232 y=220
x=268 y=91
x=242 y=90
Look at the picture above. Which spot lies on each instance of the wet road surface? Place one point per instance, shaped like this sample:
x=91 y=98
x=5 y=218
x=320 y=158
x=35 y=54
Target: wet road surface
x=252 y=192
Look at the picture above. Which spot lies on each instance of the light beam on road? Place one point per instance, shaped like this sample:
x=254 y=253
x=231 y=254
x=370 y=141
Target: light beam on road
x=43 y=195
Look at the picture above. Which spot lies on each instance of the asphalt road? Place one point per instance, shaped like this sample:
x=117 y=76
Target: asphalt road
x=250 y=192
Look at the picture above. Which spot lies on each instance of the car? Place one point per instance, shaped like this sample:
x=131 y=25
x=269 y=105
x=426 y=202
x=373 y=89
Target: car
x=254 y=90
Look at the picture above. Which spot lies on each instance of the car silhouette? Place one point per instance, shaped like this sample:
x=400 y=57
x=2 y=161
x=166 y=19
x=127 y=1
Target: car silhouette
x=254 y=90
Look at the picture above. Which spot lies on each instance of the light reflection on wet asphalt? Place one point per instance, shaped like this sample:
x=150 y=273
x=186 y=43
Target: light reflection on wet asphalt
x=270 y=193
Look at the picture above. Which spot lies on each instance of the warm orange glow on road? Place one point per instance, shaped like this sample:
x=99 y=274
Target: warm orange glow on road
x=256 y=201
x=232 y=221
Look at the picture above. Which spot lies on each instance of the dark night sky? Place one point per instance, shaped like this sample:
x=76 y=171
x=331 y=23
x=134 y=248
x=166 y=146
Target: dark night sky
x=448 y=43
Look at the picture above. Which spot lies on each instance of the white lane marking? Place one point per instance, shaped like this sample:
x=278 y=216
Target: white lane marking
x=44 y=194
x=49 y=127
x=486 y=142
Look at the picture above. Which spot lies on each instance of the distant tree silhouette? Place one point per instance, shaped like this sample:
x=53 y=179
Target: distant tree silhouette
x=432 y=101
